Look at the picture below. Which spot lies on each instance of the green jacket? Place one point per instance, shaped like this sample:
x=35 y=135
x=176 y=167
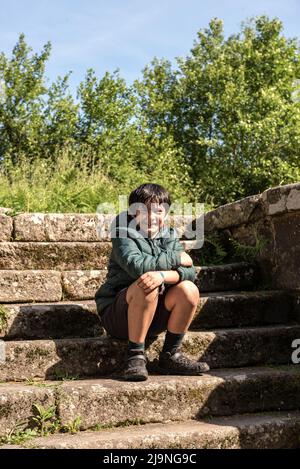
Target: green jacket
x=133 y=255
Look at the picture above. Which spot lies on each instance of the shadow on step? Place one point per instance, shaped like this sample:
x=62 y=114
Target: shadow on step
x=223 y=392
x=220 y=392
x=227 y=348
x=50 y=321
x=219 y=310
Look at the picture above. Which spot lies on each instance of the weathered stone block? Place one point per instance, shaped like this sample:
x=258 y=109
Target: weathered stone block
x=81 y=285
x=6 y=227
x=30 y=285
x=54 y=255
x=281 y=199
x=61 y=227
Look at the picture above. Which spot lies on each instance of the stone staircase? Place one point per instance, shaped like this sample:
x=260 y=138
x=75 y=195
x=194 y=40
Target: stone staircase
x=57 y=355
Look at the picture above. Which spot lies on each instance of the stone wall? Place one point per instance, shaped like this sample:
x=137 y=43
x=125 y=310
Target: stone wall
x=64 y=227
x=273 y=216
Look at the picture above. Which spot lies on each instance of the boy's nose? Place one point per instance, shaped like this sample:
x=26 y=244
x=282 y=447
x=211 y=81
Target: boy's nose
x=152 y=219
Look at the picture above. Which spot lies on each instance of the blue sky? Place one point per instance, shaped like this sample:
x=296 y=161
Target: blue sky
x=110 y=34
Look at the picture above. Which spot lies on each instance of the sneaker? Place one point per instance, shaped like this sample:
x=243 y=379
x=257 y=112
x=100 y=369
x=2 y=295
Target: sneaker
x=178 y=364
x=135 y=368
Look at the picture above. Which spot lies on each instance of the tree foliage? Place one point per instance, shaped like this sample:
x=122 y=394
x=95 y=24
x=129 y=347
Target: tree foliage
x=220 y=124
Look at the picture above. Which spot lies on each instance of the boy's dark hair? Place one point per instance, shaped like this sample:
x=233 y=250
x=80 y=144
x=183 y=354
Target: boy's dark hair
x=150 y=193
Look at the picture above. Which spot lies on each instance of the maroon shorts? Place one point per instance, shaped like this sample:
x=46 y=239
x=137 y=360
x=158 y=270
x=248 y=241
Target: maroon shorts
x=115 y=321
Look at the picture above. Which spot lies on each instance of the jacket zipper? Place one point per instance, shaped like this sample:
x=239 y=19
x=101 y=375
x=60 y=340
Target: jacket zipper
x=154 y=247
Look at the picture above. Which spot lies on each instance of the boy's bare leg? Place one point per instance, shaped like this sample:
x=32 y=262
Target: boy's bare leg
x=182 y=300
x=141 y=309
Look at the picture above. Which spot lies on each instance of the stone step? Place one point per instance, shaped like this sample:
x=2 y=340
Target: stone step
x=91 y=255
x=33 y=285
x=73 y=226
x=273 y=430
x=54 y=256
x=79 y=318
x=17 y=400
x=50 y=320
x=164 y=398
x=235 y=276
x=30 y=285
x=100 y=403
x=99 y=356
x=6 y=226
x=60 y=226
x=21 y=286
x=243 y=309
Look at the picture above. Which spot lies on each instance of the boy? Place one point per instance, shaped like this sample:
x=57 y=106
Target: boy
x=149 y=286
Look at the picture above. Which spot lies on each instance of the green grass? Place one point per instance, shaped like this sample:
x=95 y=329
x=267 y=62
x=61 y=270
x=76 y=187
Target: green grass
x=43 y=422
x=66 y=186
x=65 y=376
x=70 y=184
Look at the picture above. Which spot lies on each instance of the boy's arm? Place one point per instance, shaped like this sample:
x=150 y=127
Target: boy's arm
x=178 y=275
x=136 y=263
x=185 y=273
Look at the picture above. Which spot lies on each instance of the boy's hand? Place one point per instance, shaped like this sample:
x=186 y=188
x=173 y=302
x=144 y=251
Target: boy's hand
x=150 y=280
x=186 y=260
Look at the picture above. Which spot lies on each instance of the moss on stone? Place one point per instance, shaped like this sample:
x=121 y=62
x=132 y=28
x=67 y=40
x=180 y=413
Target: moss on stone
x=4 y=314
x=37 y=352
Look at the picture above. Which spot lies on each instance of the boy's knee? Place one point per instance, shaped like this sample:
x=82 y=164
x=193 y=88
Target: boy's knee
x=137 y=292
x=189 y=291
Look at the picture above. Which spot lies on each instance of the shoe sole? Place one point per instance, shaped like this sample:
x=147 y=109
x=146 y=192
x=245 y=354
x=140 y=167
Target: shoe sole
x=136 y=375
x=178 y=372
x=135 y=378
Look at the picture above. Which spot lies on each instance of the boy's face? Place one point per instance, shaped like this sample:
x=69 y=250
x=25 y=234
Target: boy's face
x=151 y=218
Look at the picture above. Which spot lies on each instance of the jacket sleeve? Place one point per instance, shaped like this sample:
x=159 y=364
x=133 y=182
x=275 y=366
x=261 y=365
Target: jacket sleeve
x=136 y=263
x=185 y=273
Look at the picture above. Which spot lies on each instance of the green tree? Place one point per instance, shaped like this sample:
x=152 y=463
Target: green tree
x=22 y=100
x=221 y=124
x=107 y=109
x=123 y=142
x=230 y=108
x=60 y=117
x=238 y=122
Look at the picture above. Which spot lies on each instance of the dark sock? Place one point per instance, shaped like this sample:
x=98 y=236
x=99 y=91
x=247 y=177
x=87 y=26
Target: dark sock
x=172 y=342
x=135 y=347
